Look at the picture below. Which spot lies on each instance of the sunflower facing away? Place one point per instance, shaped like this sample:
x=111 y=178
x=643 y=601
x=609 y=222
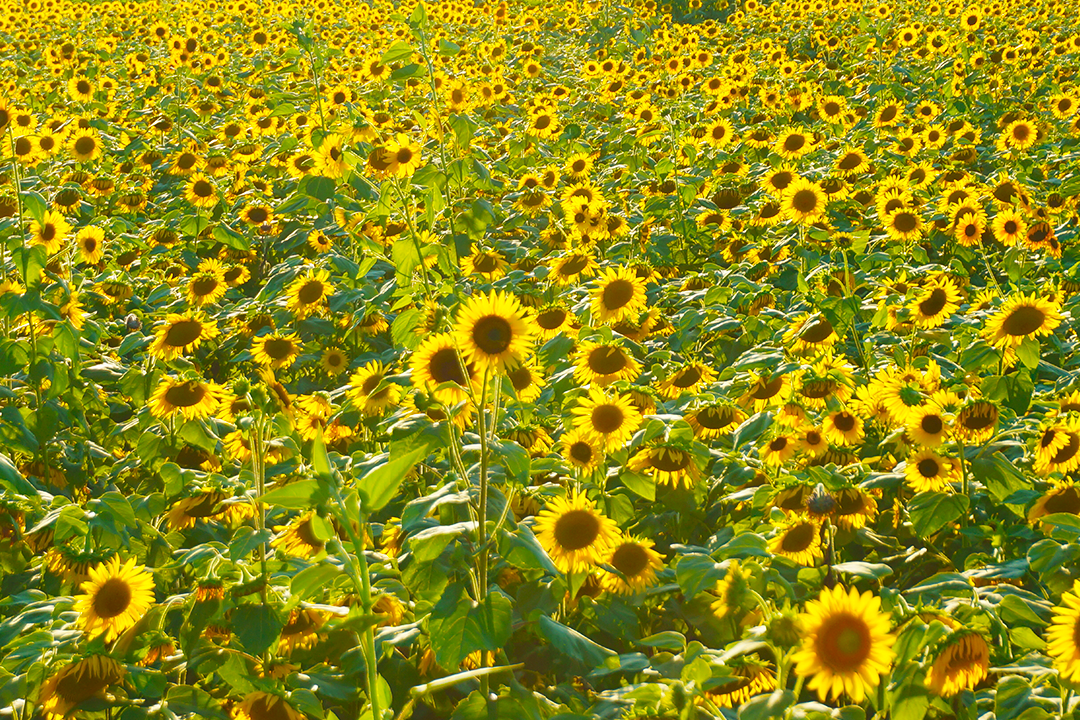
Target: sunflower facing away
x=846 y=646
x=494 y=331
x=114 y=598
x=667 y=464
x=961 y=662
x=259 y=705
x=575 y=535
x=77 y=682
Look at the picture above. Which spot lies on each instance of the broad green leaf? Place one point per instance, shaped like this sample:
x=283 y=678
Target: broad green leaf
x=931 y=511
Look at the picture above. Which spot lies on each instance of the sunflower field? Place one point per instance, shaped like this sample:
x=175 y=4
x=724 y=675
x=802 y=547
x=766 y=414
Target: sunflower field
x=539 y=361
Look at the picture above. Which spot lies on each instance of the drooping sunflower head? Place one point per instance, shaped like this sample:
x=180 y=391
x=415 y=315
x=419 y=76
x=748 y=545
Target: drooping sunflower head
x=960 y=662
x=686 y=379
x=734 y=595
x=750 y=675
x=259 y=705
x=668 y=463
x=77 y=682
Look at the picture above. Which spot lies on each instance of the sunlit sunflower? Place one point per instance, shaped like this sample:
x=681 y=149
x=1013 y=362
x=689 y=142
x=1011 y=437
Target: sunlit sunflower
x=575 y=534
x=926 y=471
x=1063 y=635
x=200 y=191
x=308 y=293
x=298 y=538
x=610 y=420
x=301 y=632
x=114 y=598
x=810 y=334
x=494 y=331
x=51 y=232
x=191 y=398
x=712 y=421
x=207 y=285
x=846 y=646
x=575 y=265
x=928 y=425
x=90 y=242
x=687 y=379
x=780 y=448
x=799 y=540
x=527 y=381
x=637 y=564
x=78 y=682
x=276 y=350
x=935 y=303
x=334 y=361
x=1058 y=449
x=1062 y=499
x=733 y=592
x=181 y=333
x=582 y=450
x=854 y=508
x=667 y=464
x=604 y=363
x=441 y=370
x=488 y=264
x=803 y=202
x=843 y=428
x=751 y=676
x=259 y=705
x=619 y=294
x=1022 y=316
x=961 y=662
x=185 y=513
x=371 y=391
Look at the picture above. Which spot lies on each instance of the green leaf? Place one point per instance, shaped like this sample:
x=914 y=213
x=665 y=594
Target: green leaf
x=119 y=507
x=403 y=329
x=668 y=640
x=299 y=495
x=764 y=707
x=12 y=479
x=191 y=700
x=257 y=627
x=408 y=71
x=573 y=644
x=640 y=484
x=931 y=511
x=697 y=572
x=448 y=49
x=313 y=581
x=320 y=188
x=380 y=485
x=751 y=429
x=1028 y=352
x=398 y=51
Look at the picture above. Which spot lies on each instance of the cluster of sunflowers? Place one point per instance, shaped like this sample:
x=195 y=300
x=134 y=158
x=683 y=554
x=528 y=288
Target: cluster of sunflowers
x=387 y=360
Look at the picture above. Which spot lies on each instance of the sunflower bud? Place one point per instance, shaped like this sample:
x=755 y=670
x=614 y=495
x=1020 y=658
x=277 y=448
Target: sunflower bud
x=783 y=629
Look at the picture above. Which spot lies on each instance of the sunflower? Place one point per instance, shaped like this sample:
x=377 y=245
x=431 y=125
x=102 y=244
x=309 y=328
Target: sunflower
x=191 y=398
x=404 y=156
x=308 y=293
x=928 y=426
x=1062 y=499
x=854 y=508
x=1058 y=449
x=961 y=662
x=846 y=646
x=527 y=381
x=259 y=705
x=78 y=682
x=276 y=350
x=573 y=266
x=1022 y=316
x=1009 y=227
x=371 y=391
x=581 y=450
x=619 y=294
x=298 y=538
x=712 y=421
x=488 y=264
x=200 y=191
x=51 y=232
x=687 y=379
x=494 y=331
x=181 y=333
x=609 y=420
x=733 y=592
x=936 y=302
x=334 y=361
x=810 y=334
x=637 y=564
x=1063 y=635
x=803 y=202
x=1019 y=135
x=114 y=598
x=441 y=370
x=603 y=364
x=301 y=632
x=91 y=244
x=750 y=676
x=552 y=320
x=799 y=540
x=207 y=285
x=926 y=471
x=575 y=535
x=843 y=428
x=779 y=449
x=904 y=224
x=667 y=464
x=793 y=144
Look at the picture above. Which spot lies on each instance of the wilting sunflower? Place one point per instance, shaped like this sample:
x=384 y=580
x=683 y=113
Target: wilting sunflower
x=712 y=421
x=1022 y=316
x=637 y=564
x=301 y=632
x=810 y=334
x=935 y=303
x=975 y=421
x=604 y=363
x=926 y=471
x=687 y=379
x=799 y=540
x=191 y=398
x=276 y=349
x=494 y=331
x=1058 y=449
x=439 y=368
x=575 y=535
x=961 y=662
x=185 y=513
x=1064 y=499
x=573 y=266
x=371 y=391
x=610 y=420
x=181 y=333
x=78 y=682
x=1063 y=635
x=298 y=537
x=114 y=598
x=259 y=705
x=619 y=294
x=51 y=232
x=667 y=464
x=308 y=293
x=750 y=676
x=847 y=645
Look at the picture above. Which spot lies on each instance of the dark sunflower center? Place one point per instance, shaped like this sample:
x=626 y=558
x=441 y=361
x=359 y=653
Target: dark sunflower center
x=1021 y=132
x=444 y=366
x=186 y=161
x=185 y=395
x=234 y=273
x=716 y=418
x=48 y=232
x=905 y=222
x=778 y=444
x=982 y=416
x=768 y=389
x=798 y=538
x=668 y=460
x=1068 y=452
x=551 y=319
x=935 y=303
x=813 y=438
x=582 y=452
x=371 y=383
x=844 y=421
x=183 y=332
x=520 y=378
x=1024 y=320
x=83 y=87
x=818 y=389
x=112 y=598
x=403 y=156
x=306 y=532
x=832 y=108
x=310 y=292
x=542 y=122
x=202 y=189
x=486 y=263
x=1011 y=227
x=928 y=467
x=794 y=143
x=607 y=418
x=617 y=294
x=85 y=145
x=850 y=161
x=278 y=348
x=931 y=424
x=606 y=360
x=630 y=559
x=687 y=377
x=817 y=332
x=258 y=215
x=576 y=529
x=492 y=334
x=804 y=201
x=843 y=643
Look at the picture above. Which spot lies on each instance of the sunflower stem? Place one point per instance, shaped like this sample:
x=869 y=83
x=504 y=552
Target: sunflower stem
x=258 y=469
x=405 y=211
x=481 y=515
